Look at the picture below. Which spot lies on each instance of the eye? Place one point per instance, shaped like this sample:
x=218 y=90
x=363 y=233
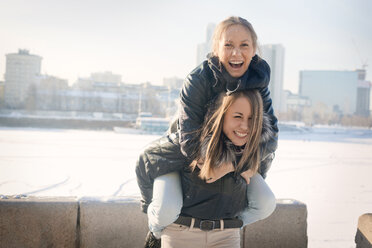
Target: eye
x=245 y=45
x=237 y=116
x=228 y=45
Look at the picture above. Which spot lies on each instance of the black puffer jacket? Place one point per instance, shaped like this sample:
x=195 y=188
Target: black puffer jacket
x=222 y=199
x=164 y=156
x=201 y=87
x=205 y=83
x=229 y=192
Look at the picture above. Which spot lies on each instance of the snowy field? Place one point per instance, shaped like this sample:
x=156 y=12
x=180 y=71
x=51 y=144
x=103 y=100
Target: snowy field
x=330 y=170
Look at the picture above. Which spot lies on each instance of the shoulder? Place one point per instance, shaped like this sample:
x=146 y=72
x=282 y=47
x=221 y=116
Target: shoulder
x=202 y=74
x=260 y=65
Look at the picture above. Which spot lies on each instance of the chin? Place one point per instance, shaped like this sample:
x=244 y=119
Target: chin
x=241 y=143
x=236 y=74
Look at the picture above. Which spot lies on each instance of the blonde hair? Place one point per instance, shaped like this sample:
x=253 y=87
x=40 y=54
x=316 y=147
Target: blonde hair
x=222 y=26
x=213 y=129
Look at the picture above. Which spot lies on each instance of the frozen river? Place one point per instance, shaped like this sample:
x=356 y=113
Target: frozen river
x=330 y=170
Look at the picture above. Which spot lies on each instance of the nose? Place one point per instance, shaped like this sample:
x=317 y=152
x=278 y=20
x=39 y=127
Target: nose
x=244 y=125
x=236 y=51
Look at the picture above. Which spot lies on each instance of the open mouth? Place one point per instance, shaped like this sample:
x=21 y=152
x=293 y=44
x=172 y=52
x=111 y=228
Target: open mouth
x=241 y=135
x=236 y=64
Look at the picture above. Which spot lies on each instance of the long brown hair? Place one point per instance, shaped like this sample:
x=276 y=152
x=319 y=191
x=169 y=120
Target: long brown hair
x=212 y=131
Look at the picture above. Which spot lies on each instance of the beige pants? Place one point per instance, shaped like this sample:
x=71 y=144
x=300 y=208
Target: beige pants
x=179 y=236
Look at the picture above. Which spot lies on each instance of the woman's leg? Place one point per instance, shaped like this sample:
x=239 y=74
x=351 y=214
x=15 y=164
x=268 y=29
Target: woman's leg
x=261 y=201
x=166 y=202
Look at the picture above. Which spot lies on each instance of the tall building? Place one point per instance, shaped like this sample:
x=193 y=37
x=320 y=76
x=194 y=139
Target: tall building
x=1 y=94
x=363 y=94
x=337 y=90
x=204 y=48
x=274 y=56
x=21 y=72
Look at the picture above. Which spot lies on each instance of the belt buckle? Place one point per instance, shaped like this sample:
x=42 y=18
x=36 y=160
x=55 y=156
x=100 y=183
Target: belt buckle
x=207 y=225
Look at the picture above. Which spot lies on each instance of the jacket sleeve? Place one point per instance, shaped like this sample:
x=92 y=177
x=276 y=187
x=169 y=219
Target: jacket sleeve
x=269 y=146
x=193 y=101
x=145 y=182
x=159 y=158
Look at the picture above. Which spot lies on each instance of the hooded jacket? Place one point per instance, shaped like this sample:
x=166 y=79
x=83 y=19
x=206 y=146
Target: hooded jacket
x=226 y=197
x=175 y=151
x=164 y=156
x=204 y=84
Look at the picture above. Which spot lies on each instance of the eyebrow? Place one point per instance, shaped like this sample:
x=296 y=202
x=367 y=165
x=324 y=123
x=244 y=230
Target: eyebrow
x=240 y=41
x=238 y=113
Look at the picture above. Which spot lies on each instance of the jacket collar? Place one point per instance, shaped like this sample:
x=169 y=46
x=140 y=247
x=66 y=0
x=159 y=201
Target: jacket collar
x=257 y=75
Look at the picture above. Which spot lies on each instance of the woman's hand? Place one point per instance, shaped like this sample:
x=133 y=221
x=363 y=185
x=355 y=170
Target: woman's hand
x=247 y=175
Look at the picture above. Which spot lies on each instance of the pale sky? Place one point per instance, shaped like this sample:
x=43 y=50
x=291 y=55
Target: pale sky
x=149 y=40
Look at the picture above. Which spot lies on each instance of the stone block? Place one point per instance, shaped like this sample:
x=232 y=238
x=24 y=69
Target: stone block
x=116 y=222
x=119 y=222
x=38 y=222
x=285 y=228
x=363 y=238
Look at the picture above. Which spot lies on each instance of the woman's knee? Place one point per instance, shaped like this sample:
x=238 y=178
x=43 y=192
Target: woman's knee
x=266 y=205
x=170 y=208
x=167 y=197
x=261 y=199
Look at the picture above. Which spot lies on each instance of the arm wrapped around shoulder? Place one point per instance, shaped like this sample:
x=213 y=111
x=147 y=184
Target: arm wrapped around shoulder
x=194 y=97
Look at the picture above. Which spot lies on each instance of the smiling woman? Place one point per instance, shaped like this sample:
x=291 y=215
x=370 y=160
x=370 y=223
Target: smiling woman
x=227 y=162
x=237 y=121
x=235 y=45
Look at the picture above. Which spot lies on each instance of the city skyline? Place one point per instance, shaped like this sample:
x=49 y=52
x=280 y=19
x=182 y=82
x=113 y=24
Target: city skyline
x=148 y=41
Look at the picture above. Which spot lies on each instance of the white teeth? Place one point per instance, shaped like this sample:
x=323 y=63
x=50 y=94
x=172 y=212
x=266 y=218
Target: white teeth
x=236 y=62
x=241 y=134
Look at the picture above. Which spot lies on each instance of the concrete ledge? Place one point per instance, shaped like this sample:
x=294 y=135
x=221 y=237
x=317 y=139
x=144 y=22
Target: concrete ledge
x=285 y=228
x=363 y=238
x=119 y=222
x=38 y=222
x=113 y=223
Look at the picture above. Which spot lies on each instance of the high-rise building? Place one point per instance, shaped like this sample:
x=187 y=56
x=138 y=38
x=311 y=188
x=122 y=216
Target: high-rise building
x=1 y=94
x=274 y=56
x=204 y=48
x=363 y=94
x=337 y=90
x=21 y=72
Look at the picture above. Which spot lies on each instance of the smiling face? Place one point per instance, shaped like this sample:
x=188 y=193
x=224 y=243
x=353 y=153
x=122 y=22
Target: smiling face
x=236 y=49
x=236 y=122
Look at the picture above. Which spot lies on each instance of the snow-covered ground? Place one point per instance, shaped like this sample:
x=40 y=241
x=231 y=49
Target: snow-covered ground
x=330 y=170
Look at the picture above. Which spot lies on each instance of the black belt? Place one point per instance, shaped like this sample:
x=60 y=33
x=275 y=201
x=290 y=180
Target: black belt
x=208 y=225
